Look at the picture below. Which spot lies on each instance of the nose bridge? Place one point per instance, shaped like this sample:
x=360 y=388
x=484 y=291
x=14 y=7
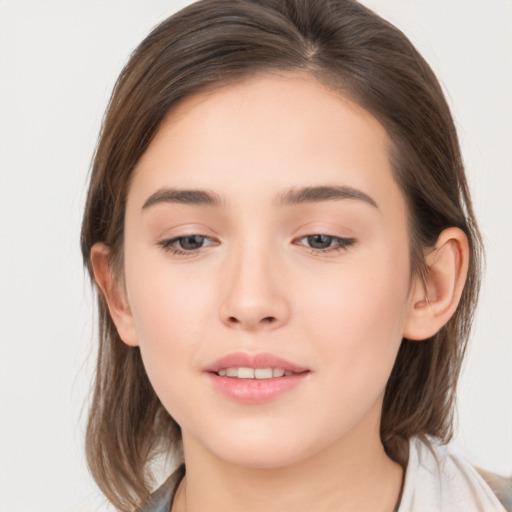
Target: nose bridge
x=254 y=295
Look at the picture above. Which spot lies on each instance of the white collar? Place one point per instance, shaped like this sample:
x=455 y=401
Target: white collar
x=439 y=479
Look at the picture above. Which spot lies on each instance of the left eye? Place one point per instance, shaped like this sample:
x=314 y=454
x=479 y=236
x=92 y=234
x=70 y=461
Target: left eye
x=327 y=243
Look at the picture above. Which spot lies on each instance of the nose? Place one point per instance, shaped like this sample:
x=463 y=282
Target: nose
x=254 y=293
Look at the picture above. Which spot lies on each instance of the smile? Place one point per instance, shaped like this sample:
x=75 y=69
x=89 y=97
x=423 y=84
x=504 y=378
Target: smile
x=254 y=373
x=255 y=378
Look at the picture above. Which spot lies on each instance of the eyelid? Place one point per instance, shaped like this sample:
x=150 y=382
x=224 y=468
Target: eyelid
x=343 y=243
x=170 y=244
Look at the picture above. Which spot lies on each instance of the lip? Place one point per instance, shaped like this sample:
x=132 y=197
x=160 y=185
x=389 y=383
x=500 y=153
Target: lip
x=261 y=360
x=255 y=391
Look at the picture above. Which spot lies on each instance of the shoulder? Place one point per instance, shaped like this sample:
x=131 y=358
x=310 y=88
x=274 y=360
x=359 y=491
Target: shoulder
x=440 y=478
x=161 y=499
x=500 y=485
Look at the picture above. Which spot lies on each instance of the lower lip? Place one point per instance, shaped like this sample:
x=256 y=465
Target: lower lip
x=256 y=391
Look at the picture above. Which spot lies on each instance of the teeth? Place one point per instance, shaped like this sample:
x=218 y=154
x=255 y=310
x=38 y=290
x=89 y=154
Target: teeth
x=263 y=373
x=254 y=373
x=245 y=373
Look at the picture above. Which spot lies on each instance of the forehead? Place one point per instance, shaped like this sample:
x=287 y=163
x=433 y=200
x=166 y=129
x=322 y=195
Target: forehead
x=266 y=134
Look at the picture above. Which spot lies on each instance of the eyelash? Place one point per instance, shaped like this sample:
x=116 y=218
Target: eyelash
x=168 y=245
x=342 y=244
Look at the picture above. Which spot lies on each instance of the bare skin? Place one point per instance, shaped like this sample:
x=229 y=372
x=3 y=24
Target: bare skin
x=255 y=283
x=371 y=482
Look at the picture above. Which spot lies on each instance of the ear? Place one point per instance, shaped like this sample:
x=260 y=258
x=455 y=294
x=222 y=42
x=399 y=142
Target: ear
x=434 y=301
x=114 y=292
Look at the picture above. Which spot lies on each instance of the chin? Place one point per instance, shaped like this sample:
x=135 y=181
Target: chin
x=261 y=459
x=267 y=451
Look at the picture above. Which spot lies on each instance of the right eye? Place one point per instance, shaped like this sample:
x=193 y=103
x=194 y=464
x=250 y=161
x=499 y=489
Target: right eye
x=185 y=245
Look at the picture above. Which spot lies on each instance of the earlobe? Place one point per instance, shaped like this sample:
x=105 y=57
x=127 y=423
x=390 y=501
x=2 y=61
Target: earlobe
x=434 y=300
x=114 y=293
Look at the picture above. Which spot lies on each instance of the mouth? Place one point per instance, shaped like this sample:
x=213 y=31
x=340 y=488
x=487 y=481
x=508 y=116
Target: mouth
x=254 y=373
x=255 y=378
x=243 y=365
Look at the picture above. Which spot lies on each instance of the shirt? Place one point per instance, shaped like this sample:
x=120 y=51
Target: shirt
x=438 y=479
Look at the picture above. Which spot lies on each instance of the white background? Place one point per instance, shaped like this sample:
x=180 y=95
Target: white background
x=58 y=62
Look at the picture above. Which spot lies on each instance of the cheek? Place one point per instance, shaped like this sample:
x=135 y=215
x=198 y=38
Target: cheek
x=170 y=311
x=170 y=324
x=165 y=299
x=359 y=321
x=356 y=331
x=162 y=311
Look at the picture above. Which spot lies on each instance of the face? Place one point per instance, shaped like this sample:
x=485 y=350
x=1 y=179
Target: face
x=291 y=243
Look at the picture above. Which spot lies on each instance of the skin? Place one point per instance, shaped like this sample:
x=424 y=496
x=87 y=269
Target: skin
x=256 y=285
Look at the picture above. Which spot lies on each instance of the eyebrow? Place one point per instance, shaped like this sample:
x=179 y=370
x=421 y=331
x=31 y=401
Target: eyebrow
x=323 y=193
x=294 y=196
x=183 y=196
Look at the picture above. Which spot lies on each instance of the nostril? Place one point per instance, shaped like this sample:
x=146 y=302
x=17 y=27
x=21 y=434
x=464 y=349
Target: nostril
x=266 y=320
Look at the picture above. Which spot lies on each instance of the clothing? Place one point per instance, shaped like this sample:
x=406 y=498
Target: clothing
x=162 y=498
x=438 y=479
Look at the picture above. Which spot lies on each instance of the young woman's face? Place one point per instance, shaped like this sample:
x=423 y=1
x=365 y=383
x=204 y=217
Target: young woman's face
x=290 y=243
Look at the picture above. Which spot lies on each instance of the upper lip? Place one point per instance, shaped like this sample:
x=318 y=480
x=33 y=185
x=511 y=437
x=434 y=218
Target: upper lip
x=261 y=360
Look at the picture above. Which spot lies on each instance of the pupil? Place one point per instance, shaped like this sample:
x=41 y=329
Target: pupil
x=319 y=241
x=191 y=242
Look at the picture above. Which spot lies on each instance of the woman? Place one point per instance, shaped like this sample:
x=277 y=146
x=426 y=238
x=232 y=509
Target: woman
x=281 y=232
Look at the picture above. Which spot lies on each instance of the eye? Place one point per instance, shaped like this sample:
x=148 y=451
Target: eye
x=185 y=245
x=320 y=243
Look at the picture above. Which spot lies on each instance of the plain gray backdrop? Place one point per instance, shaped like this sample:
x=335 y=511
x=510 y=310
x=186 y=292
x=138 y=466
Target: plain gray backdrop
x=58 y=62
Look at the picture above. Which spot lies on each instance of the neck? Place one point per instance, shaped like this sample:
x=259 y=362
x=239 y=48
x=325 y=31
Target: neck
x=352 y=474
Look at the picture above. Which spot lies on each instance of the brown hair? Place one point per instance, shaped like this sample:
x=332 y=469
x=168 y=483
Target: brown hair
x=344 y=45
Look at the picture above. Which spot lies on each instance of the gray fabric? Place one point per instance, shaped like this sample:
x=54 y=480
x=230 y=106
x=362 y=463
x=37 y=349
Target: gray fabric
x=161 y=499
